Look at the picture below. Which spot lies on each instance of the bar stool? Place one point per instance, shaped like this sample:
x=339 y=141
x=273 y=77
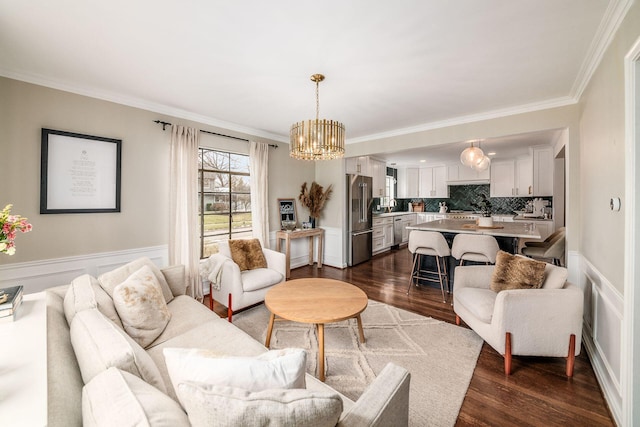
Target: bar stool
x=430 y=243
x=552 y=248
x=475 y=247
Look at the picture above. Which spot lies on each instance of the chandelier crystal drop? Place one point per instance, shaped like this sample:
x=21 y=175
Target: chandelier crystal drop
x=317 y=139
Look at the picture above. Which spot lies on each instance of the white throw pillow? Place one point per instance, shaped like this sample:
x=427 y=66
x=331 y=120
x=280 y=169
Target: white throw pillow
x=109 y=281
x=117 y=398
x=209 y=405
x=273 y=369
x=99 y=345
x=141 y=306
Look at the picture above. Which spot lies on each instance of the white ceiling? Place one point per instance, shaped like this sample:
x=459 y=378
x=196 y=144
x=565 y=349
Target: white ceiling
x=391 y=67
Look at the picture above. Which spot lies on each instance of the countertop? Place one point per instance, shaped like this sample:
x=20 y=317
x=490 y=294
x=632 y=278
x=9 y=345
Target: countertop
x=515 y=217
x=509 y=229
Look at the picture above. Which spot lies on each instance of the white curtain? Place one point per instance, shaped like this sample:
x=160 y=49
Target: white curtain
x=184 y=245
x=258 y=167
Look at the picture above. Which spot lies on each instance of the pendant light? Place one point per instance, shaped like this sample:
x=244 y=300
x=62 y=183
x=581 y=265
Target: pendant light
x=471 y=155
x=317 y=139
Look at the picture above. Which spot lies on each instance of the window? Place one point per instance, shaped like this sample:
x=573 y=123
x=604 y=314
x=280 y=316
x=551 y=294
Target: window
x=224 y=198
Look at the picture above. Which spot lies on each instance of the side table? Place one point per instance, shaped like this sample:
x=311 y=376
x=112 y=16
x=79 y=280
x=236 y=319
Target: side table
x=23 y=364
x=311 y=233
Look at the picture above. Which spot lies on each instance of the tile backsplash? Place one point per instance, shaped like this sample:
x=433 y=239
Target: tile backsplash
x=461 y=196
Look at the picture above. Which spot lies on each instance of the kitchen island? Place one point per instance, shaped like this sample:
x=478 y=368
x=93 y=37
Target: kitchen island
x=507 y=234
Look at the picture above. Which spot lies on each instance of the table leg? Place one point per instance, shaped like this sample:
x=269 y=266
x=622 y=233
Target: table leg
x=288 y=256
x=360 y=330
x=320 y=249
x=320 y=327
x=310 y=250
x=267 y=341
x=278 y=239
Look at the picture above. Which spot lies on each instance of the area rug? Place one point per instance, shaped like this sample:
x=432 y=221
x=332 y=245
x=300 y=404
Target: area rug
x=441 y=357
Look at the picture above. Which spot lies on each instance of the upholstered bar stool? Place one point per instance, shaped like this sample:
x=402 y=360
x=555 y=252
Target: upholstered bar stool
x=475 y=247
x=430 y=243
x=552 y=248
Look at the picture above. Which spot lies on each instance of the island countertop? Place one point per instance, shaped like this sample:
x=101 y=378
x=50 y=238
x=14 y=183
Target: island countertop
x=509 y=229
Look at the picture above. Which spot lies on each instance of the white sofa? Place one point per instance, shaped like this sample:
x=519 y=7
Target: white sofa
x=526 y=322
x=192 y=325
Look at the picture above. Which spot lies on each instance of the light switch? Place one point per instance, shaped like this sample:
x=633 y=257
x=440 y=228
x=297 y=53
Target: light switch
x=615 y=203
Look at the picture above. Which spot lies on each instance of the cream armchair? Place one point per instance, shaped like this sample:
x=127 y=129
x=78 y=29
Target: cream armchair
x=525 y=322
x=240 y=289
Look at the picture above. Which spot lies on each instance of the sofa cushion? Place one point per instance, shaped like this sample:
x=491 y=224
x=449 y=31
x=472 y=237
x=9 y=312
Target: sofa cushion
x=141 y=306
x=516 y=272
x=274 y=369
x=260 y=278
x=478 y=301
x=85 y=292
x=117 y=398
x=113 y=278
x=555 y=277
x=99 y=345
x=175 y=277
x=208 y=405
x=247 y=253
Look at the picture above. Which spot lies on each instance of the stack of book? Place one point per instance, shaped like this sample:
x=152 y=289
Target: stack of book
x=10 y=300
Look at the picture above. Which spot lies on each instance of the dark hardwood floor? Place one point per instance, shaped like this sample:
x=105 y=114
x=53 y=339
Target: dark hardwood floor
x=537 y=393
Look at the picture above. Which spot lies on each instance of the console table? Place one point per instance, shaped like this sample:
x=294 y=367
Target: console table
x=311 y=233
x=23 y=364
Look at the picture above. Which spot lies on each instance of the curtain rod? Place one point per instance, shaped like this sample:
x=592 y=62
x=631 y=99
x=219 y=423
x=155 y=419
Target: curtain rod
x=165 y=124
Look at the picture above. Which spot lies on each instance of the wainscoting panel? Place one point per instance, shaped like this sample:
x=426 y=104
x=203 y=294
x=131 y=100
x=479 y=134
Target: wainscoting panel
x=602 y=330
x=36 y=276
x=300 y=249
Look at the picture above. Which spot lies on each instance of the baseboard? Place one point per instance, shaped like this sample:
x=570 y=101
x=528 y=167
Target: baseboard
x=602 y=329
x=36 y=276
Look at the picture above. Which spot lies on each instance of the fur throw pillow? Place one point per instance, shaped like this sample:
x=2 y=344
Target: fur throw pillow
x=516 y=272
x=247 y=253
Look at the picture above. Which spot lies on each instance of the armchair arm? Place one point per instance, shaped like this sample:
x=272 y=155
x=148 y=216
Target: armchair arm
x=276 y=261
x=230 y=282
x=539 y=320
x=384 y=403
x=473 y=276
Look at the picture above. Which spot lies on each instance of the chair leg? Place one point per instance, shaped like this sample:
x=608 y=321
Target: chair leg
x=440 y=278
x=457 y=320
x=230 y=309
x=507 y=354
x=571 y=357
x=210 y=296
x=413 y=269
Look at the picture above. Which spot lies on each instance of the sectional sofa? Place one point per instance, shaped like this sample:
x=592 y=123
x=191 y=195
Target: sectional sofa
x=99 y=374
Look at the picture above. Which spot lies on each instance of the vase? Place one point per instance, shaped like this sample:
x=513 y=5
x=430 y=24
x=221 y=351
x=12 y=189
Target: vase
x=312 y=220
x=485 y=221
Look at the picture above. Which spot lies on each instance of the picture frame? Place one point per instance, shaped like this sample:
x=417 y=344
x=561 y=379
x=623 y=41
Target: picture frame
x=79 y=173
x=287 y=210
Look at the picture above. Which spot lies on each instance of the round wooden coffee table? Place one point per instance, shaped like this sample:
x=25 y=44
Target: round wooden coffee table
x=316 y=301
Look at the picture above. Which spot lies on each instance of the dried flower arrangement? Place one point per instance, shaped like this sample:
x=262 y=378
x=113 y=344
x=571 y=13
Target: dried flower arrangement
x=314 y=197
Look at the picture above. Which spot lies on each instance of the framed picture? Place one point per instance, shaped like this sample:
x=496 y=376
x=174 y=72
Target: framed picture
x=79 y=173
x=287 y=210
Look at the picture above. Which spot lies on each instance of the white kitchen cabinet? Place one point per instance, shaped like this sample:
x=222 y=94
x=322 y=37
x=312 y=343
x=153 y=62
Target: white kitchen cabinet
x=382 y=234
x=542 y=171
x=388 y=235
x=433 y=182
x=424 y=217
x=358 y=165
x=407 y=220
x=378 y=170
x=461 y=173
x=511 y=178
x=408 y=179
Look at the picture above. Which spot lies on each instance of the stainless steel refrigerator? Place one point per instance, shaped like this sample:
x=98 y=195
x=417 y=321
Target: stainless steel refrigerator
x=359 y=218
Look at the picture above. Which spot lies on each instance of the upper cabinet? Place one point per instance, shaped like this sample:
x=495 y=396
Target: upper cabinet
x=461 y=173
x=408 y=180
x=433 y=182
x=511 y=178
x=542 y=171
x=368 y=166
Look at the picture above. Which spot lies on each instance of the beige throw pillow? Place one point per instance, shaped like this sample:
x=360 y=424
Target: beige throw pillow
x=117 y=398
x=209 y=405
x=141 y=306
x=273 y=369
x=516 y=272
x=247 y=253
x=109 y=281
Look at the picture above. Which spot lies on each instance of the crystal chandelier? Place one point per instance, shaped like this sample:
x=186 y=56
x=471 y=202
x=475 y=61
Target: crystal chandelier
x=317 y=139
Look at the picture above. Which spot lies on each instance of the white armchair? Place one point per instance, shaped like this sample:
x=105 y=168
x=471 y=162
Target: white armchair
x=525 y=322
x=241 y=289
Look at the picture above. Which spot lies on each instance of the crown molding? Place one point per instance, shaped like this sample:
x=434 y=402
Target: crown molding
x=494 y=114
x=139 y=103
x=611 y=21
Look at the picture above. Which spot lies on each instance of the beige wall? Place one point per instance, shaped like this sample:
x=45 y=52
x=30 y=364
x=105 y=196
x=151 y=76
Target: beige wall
x=602 y=156
x=143 y=221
